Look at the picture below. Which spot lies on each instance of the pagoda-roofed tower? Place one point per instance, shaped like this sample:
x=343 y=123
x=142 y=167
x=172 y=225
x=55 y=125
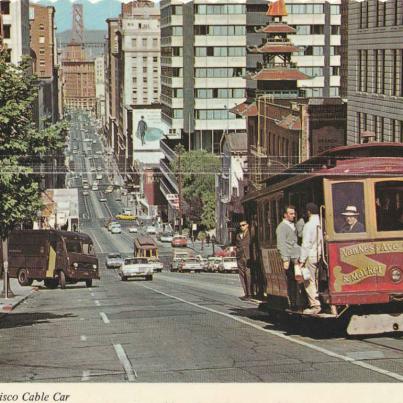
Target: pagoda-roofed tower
x=277 y=76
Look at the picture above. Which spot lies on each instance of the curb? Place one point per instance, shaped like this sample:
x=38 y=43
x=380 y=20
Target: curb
x=7 y=308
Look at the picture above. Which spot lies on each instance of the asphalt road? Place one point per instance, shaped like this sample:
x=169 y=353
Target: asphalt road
x=177 y=328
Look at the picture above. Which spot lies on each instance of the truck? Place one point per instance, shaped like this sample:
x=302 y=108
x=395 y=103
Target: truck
x=52 y=256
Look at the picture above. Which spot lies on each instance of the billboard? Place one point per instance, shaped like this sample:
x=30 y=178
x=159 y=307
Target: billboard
x=148 y=129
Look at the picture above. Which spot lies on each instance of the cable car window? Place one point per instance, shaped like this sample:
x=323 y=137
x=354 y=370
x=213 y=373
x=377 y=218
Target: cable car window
x=389 y=205
x=348 y=207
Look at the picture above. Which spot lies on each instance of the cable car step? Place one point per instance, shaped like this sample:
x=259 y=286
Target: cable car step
x=375 y=324
x=314 y=315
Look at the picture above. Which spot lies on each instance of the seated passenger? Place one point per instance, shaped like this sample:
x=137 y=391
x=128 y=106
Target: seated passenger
x=352 y=225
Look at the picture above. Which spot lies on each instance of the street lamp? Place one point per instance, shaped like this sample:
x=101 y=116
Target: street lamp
x=213 y=241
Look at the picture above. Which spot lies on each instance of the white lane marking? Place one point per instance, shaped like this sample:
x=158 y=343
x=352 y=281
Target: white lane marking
x=90 y=289
x=96 y=240
x=82 y=318
x=288 y=338
x=97 y=303
x=130 y=371
x=104 y=318
x=86 y=376
x=92 y=294
x=83 y=338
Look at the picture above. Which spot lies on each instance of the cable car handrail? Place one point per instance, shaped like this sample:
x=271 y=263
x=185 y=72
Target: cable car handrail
x=322 y=241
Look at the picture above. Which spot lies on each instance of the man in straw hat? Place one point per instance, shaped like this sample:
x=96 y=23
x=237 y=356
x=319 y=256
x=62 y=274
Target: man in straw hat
x=352 y=224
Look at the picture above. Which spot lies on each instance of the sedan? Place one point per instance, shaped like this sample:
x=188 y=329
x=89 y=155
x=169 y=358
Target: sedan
x=99 y=168
x=228 y=265
x=102 y=199
x=151 y=229
x=133 y=230
x=116 y=229
x=179 y=240
x=85 y=193
x=114 y=261
x=166 y=237
x=136 y=267
x=189 y=265
x=156 y=264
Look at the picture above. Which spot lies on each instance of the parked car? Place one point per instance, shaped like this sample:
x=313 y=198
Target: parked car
x=94 y=187
x=113 y=261
x=85 y=193
x=166 y=237
x=133 y=230
x=98 y=177
x=151 y=229
x=212 y=264
x=189 y=265
x=136 y=267
x=157 y=265
x=203 y=262
x=179 y=240
x=228 y=265
x=175 y=265
x=109 y=189
x=102 y=199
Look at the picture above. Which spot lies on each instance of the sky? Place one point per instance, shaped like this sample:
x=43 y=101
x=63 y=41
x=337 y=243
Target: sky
x=95 y=12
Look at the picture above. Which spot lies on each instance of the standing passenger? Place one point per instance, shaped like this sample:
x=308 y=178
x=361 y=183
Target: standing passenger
x=287 y=245
x=243 y=259
x=311 y=250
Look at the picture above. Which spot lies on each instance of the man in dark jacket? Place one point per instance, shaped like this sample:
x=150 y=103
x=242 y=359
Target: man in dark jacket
x=243 y=259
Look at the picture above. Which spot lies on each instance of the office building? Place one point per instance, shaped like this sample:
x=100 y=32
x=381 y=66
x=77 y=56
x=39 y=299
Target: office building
x=375 y=71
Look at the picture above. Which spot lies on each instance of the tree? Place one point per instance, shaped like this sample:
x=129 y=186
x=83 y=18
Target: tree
x=197 y=170
x=22 y=146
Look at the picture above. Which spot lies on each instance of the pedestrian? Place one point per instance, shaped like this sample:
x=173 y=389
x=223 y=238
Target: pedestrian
x=208 y=239
x=287 y=245
x=311 y=251
x=243 y=259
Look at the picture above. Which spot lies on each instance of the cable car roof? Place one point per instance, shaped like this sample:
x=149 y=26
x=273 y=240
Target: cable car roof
x=370 y=159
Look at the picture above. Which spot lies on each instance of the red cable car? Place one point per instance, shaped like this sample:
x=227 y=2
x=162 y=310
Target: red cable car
x=362 y=272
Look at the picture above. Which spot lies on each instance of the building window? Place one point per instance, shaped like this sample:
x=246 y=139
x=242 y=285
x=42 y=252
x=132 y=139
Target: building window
x=155 y=59
x=41 y=39
x=178 y=114
x=134 y=42
x=7 y=31
x=155 y=42
x=334 y=9
x=383 y=70
x=4 y=7
x=394 y=90
x=144 y=42
x=376 y=71
x=177 y=31
x=335 y=29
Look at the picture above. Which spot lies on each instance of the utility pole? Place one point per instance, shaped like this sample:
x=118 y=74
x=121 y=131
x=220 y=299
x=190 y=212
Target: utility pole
x=180 y=189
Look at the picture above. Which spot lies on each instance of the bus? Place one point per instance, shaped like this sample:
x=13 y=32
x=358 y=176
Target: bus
x=55 y=257
x=360 y=279
x=146 y=247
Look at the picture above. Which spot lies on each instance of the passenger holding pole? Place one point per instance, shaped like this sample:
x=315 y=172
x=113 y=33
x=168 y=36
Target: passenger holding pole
x=311 y=251
x=287 y=245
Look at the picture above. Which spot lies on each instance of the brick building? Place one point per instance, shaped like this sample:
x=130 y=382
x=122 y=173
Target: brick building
x=79 y=90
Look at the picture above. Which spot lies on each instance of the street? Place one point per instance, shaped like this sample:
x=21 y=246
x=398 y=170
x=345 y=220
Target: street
x=178 y=328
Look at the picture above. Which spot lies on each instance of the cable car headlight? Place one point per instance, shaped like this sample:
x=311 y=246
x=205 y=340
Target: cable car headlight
x=94 y=266
x=75 y=265
x=396 y=275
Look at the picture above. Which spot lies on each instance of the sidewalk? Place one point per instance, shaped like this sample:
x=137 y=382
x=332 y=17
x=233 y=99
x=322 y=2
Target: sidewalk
x=21 y=294
x=207 y=249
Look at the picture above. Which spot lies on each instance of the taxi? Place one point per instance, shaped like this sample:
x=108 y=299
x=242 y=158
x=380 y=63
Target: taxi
x=127 y=217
